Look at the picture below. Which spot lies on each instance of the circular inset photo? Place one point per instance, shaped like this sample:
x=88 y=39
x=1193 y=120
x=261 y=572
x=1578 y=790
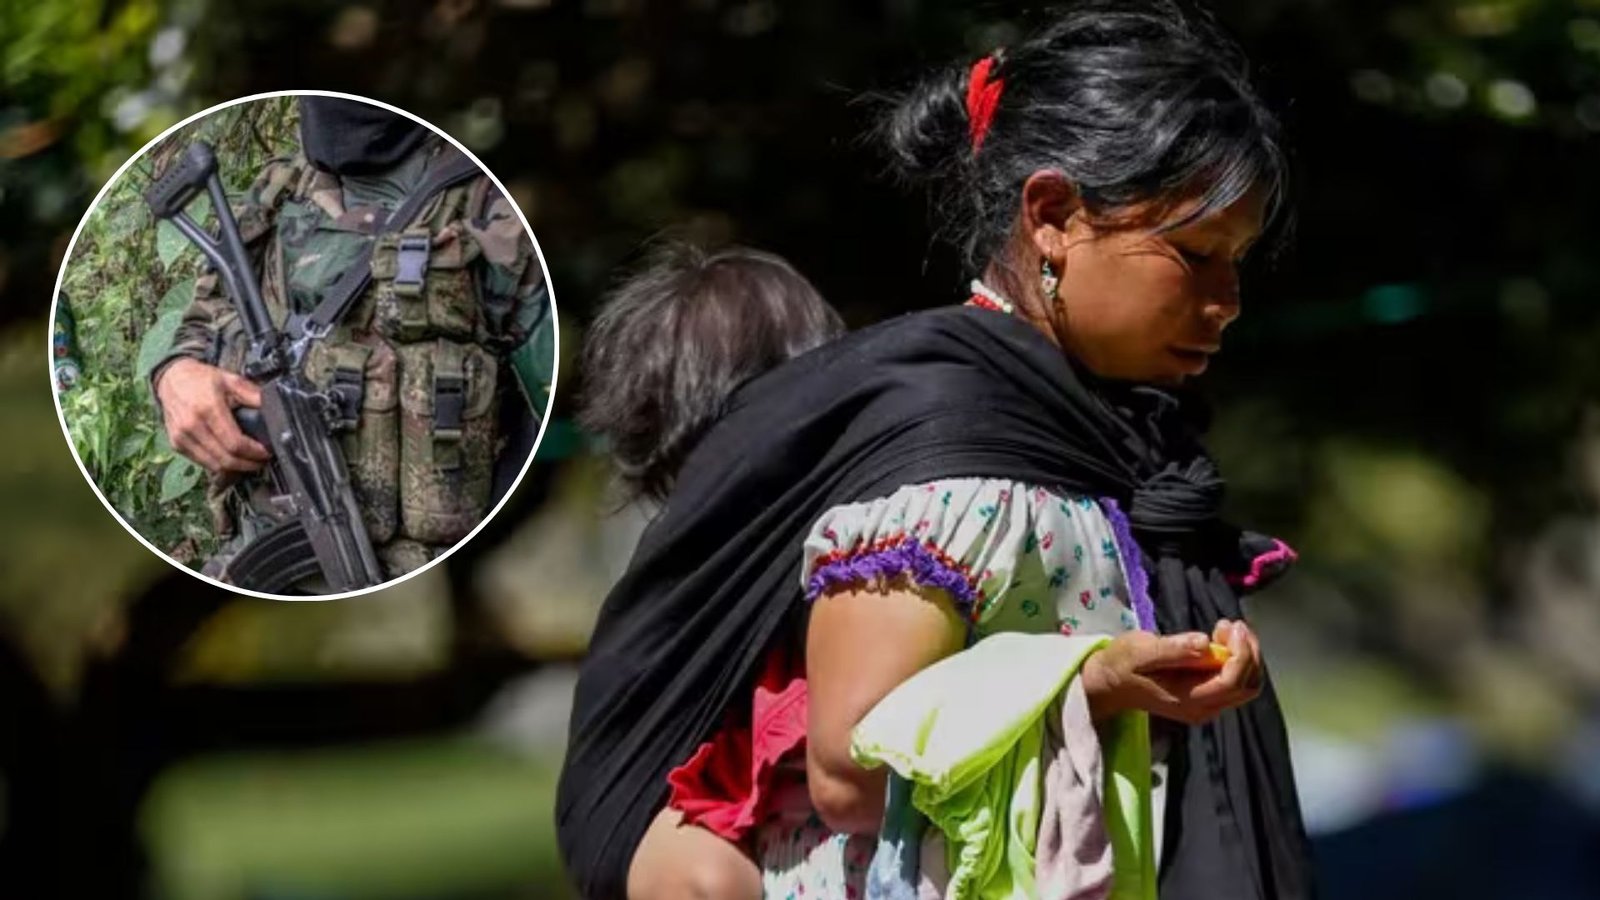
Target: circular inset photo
x=304 y=345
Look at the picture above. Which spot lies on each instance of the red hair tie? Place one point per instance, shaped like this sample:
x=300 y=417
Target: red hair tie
x=983 y=97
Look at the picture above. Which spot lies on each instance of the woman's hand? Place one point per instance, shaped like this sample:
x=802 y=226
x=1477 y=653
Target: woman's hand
x=1156 y=673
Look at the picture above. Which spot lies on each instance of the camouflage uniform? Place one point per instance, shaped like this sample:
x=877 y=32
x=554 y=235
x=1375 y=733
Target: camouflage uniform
x=457 y=305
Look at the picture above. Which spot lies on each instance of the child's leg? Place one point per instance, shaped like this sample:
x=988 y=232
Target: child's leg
x=686 y=862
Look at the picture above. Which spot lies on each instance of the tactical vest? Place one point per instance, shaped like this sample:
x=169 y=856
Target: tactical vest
x=410 y=363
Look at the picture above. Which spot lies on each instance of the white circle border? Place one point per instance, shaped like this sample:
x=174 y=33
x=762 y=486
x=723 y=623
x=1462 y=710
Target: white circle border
x=544 y=419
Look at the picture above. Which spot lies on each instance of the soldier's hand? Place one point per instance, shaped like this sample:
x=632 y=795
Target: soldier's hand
x=198 y=402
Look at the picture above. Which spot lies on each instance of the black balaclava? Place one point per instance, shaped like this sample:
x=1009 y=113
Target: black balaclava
x=348 y=137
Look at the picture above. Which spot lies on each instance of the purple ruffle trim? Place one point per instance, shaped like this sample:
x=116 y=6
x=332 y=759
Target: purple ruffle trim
x=1132 y=563
x=907 y=558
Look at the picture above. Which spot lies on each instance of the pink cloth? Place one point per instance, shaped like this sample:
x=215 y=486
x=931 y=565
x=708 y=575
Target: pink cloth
x=1073 y=857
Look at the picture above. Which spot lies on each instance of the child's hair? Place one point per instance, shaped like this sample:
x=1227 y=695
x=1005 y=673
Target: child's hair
x=676 y=338
x=1130 y=100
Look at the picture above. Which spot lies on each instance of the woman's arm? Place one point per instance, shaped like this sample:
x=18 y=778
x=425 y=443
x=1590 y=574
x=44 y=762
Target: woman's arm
x=860 y=645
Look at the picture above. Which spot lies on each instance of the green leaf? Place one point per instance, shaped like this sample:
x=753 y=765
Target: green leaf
x=132 y=445
x=180 y=477
x=128 y=218
x=200 y=210
x=99 y=447
x=170 y=243
x=114 y=300
x=177 y=297
x=157 y=342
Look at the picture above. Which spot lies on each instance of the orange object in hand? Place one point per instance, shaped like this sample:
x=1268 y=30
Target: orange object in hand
x=1216 y=654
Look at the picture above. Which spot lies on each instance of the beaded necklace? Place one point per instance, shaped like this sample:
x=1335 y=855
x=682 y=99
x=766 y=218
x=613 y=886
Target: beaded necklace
x=986 y=297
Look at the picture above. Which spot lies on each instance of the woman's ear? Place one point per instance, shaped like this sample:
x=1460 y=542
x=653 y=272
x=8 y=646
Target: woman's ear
x=1049 y=202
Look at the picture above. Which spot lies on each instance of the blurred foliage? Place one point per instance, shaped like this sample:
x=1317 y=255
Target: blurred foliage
x=129 y=279
x=68 y=564
x=437 y=818
x=254 y=642
x=68 y=119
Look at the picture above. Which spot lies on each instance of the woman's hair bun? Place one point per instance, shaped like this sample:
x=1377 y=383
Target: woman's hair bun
x=925 y=129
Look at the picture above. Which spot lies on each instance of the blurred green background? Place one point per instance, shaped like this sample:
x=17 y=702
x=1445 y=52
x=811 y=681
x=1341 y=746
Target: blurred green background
x=1412 y=399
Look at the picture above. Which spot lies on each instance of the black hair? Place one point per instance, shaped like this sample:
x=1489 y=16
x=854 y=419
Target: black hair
x=676 y=338
x=1131 y=100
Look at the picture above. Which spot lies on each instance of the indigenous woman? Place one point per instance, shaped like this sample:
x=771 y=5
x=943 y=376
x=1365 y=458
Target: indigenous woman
x=1025 y=461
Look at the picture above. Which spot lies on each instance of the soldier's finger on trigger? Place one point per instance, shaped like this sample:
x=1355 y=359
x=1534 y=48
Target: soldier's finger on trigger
x=245 y=450
x=252 y=451
x=240 y=464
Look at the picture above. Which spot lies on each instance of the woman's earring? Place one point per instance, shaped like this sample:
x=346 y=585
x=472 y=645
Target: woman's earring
x=1049 y=281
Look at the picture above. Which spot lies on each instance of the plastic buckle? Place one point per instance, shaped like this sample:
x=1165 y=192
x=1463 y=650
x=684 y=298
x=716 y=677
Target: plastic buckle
x=346 y=392
x=411 y=262
x=449 y=405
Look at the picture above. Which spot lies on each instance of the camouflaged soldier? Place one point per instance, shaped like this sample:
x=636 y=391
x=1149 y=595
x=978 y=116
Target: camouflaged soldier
x=428 y=360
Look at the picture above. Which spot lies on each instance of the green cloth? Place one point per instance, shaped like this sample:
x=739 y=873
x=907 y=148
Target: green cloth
x=969 y=733
x=389 y=188
x=534 y=360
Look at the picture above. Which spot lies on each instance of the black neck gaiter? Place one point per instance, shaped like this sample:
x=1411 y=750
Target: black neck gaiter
x=348 y=137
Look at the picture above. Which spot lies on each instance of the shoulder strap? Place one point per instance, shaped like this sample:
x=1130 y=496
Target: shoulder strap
x=454 y=168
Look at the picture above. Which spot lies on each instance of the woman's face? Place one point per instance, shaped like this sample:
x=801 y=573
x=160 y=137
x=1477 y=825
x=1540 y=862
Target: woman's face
x=1143 y=306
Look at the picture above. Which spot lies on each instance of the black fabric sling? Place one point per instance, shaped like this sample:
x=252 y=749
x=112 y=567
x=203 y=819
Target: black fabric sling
x=948 y=393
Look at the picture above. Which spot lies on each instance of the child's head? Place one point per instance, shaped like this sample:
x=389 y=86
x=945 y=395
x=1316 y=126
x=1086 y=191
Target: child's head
x=1123 y=146
x=677 y=337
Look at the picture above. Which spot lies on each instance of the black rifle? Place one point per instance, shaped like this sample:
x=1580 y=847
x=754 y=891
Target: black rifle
x=310 y=481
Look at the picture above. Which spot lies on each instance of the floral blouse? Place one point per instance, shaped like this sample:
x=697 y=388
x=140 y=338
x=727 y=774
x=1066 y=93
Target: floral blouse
x=1013 y=557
